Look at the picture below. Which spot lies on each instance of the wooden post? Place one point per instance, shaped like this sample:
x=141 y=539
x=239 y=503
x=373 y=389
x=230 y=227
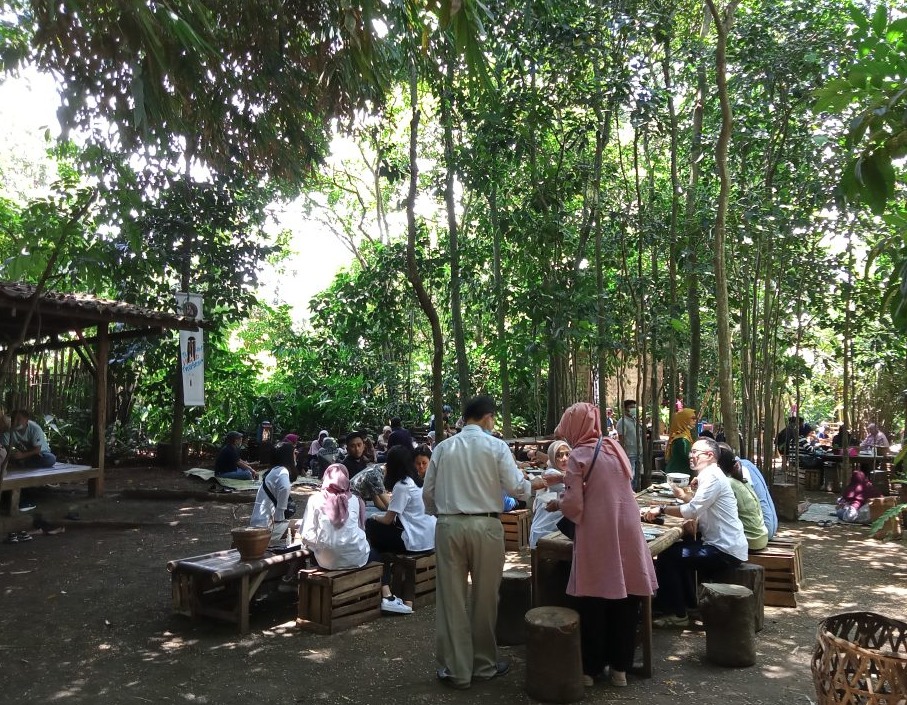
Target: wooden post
x=102 y=355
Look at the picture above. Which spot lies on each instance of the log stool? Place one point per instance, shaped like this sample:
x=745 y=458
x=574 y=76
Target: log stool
x=554 y=668
x=729 y=616
x=751 y=576
x=514 y=601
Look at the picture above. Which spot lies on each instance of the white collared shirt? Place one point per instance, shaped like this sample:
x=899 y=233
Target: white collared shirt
x=469 y=472
x=715 y=506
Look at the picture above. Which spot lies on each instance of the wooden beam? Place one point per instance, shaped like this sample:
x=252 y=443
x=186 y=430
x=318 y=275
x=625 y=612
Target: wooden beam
x=88 y=351
x=102 y=355
x=80 y=351
x=112 y=337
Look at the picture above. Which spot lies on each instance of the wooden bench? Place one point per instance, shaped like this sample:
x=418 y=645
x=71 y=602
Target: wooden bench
x=220 y=585
x=16 y=479
x=783 y=567
x=333 y=600
x=516 y=528
x=414 y=576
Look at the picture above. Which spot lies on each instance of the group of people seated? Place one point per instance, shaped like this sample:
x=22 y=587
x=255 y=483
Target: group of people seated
x=799 y=437
x=587 y=479
x=727 y=509
x=335 y=526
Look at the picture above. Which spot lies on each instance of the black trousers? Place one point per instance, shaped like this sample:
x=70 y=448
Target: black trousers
x=384 y=538
x=608 y=632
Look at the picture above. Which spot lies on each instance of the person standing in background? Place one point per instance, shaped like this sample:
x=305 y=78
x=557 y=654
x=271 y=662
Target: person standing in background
x=630 y=438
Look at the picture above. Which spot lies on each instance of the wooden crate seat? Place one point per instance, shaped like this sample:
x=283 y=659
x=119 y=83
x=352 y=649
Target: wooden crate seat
x=333 y=600
x=516 y=528
x=414 y=576
x=783 y=567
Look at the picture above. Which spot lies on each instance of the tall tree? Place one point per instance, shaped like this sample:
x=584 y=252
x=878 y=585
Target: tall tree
x=723 y=22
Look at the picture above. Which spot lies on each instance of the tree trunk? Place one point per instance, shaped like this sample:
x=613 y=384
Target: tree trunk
x=456 y=312
x=670 y=373
x=500 y=309
x=725 y=352
x=691 y=388
x=412 y=269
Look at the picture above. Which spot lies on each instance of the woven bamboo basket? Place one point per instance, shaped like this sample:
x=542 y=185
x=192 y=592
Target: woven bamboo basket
x=861 y=659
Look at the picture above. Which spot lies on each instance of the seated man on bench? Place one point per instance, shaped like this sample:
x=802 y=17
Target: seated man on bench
x=28 y=444
x=28 y=447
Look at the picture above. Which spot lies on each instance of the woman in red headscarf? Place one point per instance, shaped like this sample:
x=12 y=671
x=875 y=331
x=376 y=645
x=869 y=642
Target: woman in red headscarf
x=334 y=523
x=612 y=568
x=853 y=504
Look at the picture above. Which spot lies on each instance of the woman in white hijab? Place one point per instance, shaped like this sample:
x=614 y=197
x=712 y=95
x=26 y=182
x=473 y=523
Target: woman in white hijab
x=543 y=521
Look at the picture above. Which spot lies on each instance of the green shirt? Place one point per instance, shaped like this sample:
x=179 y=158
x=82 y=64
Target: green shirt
x=750 y=514
x=680 y=456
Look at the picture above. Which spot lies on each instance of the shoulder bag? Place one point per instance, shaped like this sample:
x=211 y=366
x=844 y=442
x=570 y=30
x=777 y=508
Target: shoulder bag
x=566 y=526
x=291 y=504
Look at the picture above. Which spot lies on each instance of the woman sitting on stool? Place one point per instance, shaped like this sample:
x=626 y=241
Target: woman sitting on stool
x=404 y=527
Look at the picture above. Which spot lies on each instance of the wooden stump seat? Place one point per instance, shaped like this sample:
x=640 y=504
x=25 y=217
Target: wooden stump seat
x=554 y=668
x=514 y=601
x=728 y=613
x=751 y=576
x=333 y=600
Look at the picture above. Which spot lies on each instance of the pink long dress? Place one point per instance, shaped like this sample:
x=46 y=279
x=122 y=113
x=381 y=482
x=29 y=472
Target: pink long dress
x=610 y=557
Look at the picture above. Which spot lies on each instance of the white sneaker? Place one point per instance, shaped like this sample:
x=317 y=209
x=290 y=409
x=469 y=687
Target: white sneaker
x=395 y=605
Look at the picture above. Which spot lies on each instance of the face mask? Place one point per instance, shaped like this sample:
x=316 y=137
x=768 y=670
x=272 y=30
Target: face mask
x=633 y=412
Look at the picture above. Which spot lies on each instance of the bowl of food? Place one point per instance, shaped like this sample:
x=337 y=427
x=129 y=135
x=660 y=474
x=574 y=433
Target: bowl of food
x=681 y=479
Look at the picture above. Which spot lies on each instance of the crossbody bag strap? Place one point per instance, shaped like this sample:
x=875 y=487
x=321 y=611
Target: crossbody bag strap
x=268 y=492
x=598 y=447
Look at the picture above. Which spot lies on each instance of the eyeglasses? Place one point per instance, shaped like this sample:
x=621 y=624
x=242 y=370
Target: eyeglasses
x=700 y=451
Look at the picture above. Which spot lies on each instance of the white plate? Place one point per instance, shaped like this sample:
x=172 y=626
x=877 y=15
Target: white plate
x=666 y=493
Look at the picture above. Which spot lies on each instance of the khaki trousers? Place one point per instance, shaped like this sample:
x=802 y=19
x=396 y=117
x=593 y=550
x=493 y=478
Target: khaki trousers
x=468 y=546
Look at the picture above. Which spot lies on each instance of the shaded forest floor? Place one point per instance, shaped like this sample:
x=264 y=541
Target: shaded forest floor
x=86 y=617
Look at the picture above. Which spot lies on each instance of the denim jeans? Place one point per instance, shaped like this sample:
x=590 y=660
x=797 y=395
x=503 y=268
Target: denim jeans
x=238 y=474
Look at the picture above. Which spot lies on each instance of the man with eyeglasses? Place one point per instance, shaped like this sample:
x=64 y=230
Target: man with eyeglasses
x=722 y=544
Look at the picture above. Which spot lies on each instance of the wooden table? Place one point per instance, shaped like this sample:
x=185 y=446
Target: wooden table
x=220 y=585
x=553 y=555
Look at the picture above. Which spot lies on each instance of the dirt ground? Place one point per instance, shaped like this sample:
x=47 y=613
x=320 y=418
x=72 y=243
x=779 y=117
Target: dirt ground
x=86 y=618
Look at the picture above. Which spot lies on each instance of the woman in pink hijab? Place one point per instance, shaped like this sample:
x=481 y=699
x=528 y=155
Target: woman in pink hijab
x=334 y=523
x=612 y=568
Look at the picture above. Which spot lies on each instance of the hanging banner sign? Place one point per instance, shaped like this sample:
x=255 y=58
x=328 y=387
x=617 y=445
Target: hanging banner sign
x=192 y=351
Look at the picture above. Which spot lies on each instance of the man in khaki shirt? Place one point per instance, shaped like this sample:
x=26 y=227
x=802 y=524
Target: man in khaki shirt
x=464 y=486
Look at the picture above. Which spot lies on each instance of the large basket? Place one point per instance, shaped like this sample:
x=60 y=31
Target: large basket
x=861 y=659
